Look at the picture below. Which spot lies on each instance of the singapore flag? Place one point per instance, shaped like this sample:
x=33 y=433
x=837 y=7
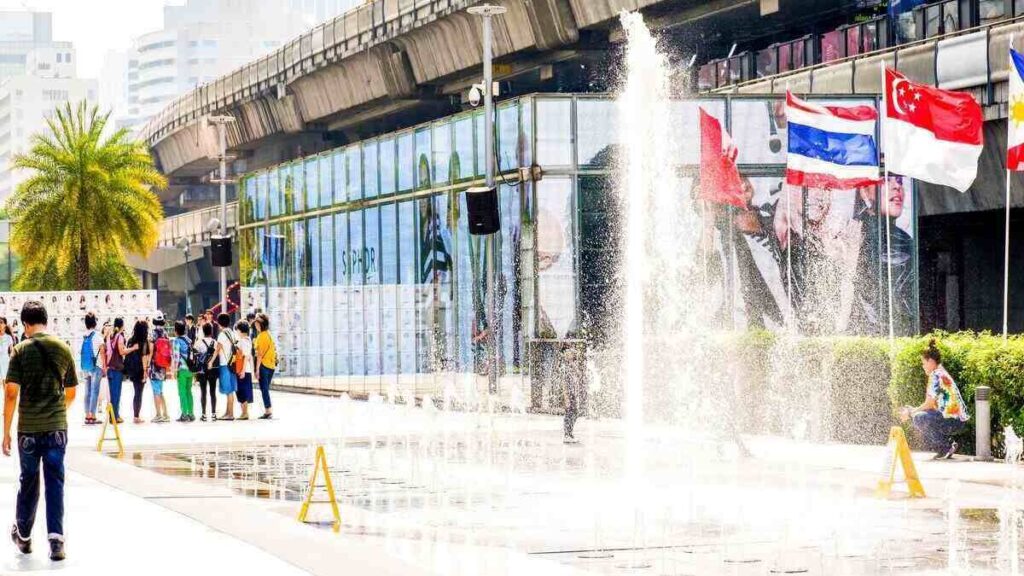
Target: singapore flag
x=930 y=134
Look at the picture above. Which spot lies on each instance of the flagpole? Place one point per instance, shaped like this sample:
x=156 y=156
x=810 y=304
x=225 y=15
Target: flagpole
x=1006 y=241
x=1006 y=253
x=885 y=179
x=789 y=254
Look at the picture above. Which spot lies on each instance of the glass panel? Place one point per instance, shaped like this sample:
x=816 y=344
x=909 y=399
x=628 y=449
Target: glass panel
x=423 y=159
x=389 y=333
x=442 y=136
x=556 y=274
x=869 y=33
x=340 y=180
x=342 y=257
x=1018 y=7
x=443 y=266
x=785 y=57
x=298 y=200
x=951 y=16
x=409 y=279
x=387 y=166
x=300 y=261
x=247 y=203
x=327 y=274
x=311 y=180
x=262 y=195
x=598 y=253
x=831 y=46
x=325 y=189
x=354 y=169
x=800 y=53
x=933 y=21
x=554 y=132
x=508 y=137
x=427 y=228
x=315 y=278
x=478 y=128
x=372 y=296
x=853 y=41
x=597 y=126
x=274 y=256
x=722 y=74
x=462 y=159
x=736 y=69
x=509 y=328
x=470 y=279
x=706 y=76
x=371 y=185
x=526 y=132
x=406 y=174
x=357 y=318
x=766 y=62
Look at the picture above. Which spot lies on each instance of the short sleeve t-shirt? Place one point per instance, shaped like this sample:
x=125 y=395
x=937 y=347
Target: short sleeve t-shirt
x=226 y=347
x=947 y=395
x=266 y=350
x=245 y=345
x=179 y=351
x=41 y=405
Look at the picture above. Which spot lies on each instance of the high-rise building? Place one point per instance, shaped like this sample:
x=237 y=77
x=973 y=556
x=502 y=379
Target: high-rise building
x=200 y=41
x=36 y=76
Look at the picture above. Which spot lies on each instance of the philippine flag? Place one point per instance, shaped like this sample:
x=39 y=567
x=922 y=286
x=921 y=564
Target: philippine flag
x=931 y=134
x=1015 y=148
x=831 y=147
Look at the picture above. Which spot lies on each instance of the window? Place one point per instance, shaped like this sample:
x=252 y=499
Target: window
x=312 y=182
x=55 y=95
x=442 y=152
x=831 y=46
x=60 y=57
x=371 y=174
x=853 y=46
x=597 y=128
x=766 y=62
x=67 y=57
x=508 y=138
x=554 y=132
x=405 y=162
x=340 y=180
x=462 y=158
x=387 y=166
x=423 y=160
x=325 y=187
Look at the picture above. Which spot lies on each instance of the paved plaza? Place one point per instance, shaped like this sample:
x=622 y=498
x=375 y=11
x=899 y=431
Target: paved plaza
x=424 y=492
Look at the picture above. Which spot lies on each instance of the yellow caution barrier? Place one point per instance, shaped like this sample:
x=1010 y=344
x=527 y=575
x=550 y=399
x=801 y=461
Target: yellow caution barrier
x=320 y=465
x=111 y=420
x=898 y=450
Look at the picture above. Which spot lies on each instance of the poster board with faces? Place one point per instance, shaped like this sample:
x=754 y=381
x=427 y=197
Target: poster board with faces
x=67 y=310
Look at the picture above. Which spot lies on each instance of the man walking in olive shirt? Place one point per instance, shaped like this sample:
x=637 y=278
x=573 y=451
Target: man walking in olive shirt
x=41 y=383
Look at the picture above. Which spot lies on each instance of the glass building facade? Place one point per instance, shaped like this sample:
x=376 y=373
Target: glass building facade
x=362 y=258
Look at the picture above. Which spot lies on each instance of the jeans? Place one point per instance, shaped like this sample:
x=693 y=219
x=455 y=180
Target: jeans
x=92 y=379
x=114 y=380
x=937 y=431
x=266 y=375
x=46 y=448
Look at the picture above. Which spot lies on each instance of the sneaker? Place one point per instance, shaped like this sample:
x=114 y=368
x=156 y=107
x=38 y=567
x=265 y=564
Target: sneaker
x=56 y=549
x=267 y=417
x=157 y=419
x=182 y=418
x=120 y=420
x=203 y=417
x=24 y=544
x=952 y=451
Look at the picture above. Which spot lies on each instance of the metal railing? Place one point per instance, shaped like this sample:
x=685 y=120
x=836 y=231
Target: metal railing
x=329 y=42
x=192 y=225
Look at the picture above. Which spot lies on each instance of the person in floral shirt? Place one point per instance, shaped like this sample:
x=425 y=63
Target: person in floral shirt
x=943 y=414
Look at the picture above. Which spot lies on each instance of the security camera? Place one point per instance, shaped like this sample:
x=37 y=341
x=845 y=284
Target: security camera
x=475 y=95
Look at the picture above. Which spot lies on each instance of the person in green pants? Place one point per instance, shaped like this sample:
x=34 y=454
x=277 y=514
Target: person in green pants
x=181 y=361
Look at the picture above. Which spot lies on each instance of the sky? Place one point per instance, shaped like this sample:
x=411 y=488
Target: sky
x=97 y=26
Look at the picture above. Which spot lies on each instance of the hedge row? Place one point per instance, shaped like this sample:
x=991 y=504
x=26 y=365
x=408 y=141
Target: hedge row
x=849 y=389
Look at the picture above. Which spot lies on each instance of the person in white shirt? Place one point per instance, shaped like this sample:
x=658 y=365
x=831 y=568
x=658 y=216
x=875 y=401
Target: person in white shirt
x=224 y=351
x=90 y=362
x=245 y=380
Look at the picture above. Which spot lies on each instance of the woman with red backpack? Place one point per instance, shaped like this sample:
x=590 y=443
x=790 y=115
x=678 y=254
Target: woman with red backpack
x=158 y=368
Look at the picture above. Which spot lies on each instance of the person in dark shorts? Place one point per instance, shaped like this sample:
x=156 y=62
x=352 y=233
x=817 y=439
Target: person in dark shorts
x=40 y=383
x=245 y=393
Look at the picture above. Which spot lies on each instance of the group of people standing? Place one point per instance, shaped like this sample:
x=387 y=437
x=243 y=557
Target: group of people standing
x=218 y=356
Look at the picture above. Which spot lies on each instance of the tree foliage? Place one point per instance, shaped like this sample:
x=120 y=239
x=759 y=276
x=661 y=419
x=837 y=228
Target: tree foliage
x=88 y=200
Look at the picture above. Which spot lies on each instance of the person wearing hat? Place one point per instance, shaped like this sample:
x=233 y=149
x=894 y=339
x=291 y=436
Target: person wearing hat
x=158 y=367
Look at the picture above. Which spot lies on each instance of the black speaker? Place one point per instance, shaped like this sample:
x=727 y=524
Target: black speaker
x=220 y=251
x=482 y=206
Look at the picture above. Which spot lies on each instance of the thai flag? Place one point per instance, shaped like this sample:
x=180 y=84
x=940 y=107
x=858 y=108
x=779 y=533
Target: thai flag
x=831 y=147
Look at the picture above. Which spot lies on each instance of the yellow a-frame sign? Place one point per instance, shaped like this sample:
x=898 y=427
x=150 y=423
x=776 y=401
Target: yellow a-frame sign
x=111 y=420
x=897 y=449
x=320 y=465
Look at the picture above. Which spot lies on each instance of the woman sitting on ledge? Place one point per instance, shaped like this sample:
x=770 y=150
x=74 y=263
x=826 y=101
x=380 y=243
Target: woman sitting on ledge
x=943 y=414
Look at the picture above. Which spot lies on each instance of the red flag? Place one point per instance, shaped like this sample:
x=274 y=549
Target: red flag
x=931 y=134
x=719 y=178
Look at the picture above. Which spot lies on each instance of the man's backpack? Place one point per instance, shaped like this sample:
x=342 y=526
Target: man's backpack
x=187 y=354
x=162 y=353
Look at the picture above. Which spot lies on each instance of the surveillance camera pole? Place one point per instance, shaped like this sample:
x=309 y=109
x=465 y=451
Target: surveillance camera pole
x=486 y=12
x=221 y=122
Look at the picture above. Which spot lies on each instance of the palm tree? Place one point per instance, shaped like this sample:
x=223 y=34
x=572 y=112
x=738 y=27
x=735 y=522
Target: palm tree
x=89 y=199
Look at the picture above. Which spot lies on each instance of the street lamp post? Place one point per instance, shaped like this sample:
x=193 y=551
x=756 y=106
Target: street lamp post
x=183 y=245
x=487 y=12
x=221 y=122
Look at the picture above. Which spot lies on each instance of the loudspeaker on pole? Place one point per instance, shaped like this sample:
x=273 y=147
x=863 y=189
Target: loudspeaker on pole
x=220 y=251
x=482 y=207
